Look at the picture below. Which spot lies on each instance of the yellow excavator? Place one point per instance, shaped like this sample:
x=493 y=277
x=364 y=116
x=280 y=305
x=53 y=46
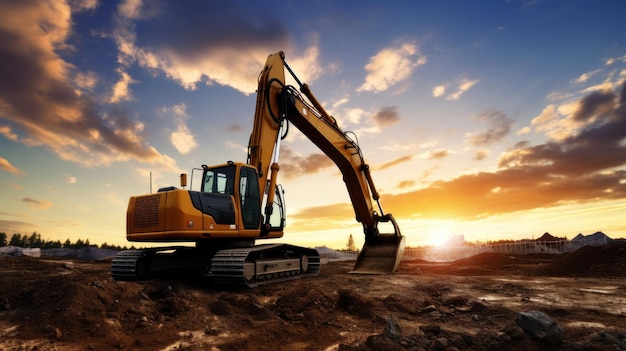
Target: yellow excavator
x=239 y=203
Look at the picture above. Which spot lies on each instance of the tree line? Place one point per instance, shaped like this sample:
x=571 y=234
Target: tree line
x=36 y=241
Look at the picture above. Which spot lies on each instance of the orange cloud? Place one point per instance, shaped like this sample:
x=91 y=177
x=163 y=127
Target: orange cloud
x=5 y=165
x=41 y=96
x=37 y=204
x=587 y=166
x=481 y=155
x=395 y=162
x=405 y=184
x=324 y=217
x=294 y=165
x=438 y=154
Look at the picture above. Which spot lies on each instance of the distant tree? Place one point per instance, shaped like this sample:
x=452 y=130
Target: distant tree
x=3 y=239
x=67 y=244
x=16 y=240
x=110 y=247
x=34 y=240
x=350 y=246
x=52 y=244
x=79 y=244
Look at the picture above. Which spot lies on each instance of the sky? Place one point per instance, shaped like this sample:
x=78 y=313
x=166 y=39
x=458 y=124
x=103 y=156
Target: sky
x=499 y=119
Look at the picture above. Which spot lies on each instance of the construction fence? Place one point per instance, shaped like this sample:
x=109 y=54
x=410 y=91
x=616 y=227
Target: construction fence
x=451 y=253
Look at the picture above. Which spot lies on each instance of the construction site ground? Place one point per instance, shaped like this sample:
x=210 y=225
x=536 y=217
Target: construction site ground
x=469 y=304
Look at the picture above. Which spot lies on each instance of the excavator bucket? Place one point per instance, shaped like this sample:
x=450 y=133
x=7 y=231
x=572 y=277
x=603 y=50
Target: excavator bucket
x=381 y=254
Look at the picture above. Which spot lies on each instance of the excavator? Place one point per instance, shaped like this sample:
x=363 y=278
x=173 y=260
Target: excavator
x=239 y=203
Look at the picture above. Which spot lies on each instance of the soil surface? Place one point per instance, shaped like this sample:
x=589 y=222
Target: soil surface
x=470 y=304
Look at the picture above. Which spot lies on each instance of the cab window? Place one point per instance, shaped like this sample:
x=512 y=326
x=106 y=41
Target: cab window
x=219 y=180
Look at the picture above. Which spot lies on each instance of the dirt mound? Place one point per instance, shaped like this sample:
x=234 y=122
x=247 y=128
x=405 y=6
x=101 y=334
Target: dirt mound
x=589 y=261
x=76 y=305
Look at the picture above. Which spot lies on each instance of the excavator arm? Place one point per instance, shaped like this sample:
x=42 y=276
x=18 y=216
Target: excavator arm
x=278 y=105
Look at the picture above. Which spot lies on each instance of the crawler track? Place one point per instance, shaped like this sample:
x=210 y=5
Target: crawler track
x=238 y=267
x=263 y=264
x=129 y=265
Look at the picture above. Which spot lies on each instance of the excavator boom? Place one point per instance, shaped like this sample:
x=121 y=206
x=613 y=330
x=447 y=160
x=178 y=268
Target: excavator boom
x=382 y=252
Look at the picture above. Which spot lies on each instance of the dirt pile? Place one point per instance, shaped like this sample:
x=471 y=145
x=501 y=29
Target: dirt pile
x=589 y=261
x=471 y=304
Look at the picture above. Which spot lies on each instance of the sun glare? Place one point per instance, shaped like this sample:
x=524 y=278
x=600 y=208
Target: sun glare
x=439 y=237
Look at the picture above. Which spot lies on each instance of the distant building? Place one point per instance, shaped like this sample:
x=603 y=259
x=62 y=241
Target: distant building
x=549 y=237
x=597 y=236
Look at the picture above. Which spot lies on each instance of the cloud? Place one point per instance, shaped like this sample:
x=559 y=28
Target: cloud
x=352 y=115
x=458 y=88
x=340 y=102
x=560 y=122
x=235 y=128
x=85 y=80
x=226 y=42
x=614 y=60
x=401 y=147
x=319 y=217
x=439 y=90
x=463 y=86
x=499 y=127
x=386 y=117
x=405 y=184
x=390 y=66
x=121 y=92
x=481 y=155
x=438 y=154
x=588 y=165
x=306 y=66
x=395 y=162
x=236 y=146
x=294 y=165
x=38 y=95
x=13 y=226
x=583 y=78
x=6 y=166
x=72 y=180
x=8 y=133
x=377 y=121
x=37 y=204
x=83 y=5
x=182 y=138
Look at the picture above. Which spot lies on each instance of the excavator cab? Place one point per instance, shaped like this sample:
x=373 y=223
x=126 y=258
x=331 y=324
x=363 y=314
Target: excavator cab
x=242 y=182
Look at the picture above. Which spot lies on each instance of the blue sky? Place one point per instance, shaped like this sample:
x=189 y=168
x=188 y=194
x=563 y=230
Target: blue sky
x=492 y=120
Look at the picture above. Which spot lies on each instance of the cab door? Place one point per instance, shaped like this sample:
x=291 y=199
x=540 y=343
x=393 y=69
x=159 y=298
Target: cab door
x=249 y=198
